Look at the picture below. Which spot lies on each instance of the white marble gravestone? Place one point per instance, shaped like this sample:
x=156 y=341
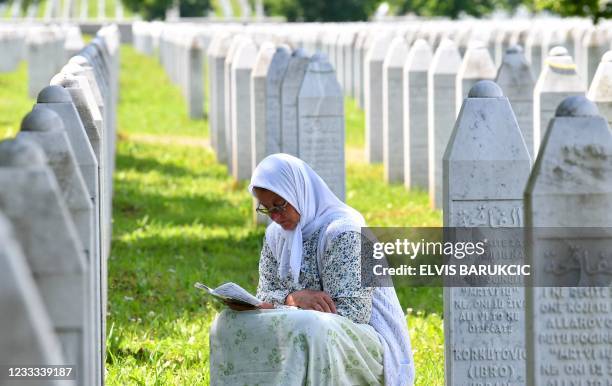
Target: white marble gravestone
x=393 y=111
x=595 y=43
x=533 y=50
x=89 y=113
x=58 y=99
x=77 y=76
x=41 y=63
x=26 y=331
x=217 y=51
x=290 y=88
x=373 y=96
x=242 y=66
x=268 y=72
x=362 y=52
x=346 y=43
x=516 y=80
x=415 y=115
x=195 y=79
x=476 y=65
x=45 y=128
x=85 y=70
x=568 y=328
x=228 y=87
x=557 y=81
x=441 y=94
x=486 y=166
x=321 y=123
x=600 y=91
x=553 y=36
x=31 y=199
x=11 y=46
x=358 y=66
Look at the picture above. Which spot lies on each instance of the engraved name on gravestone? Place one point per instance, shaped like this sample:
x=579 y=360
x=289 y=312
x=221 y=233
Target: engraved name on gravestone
x=568 y=201
x=486 y=166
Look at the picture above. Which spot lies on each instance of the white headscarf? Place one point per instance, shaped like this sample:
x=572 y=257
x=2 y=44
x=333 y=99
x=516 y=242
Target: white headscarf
x=295 y=181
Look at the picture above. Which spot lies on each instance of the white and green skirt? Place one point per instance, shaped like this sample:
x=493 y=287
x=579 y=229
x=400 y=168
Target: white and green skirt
x=293 y=347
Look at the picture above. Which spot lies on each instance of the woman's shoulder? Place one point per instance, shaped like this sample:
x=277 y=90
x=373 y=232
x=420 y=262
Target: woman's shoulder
x=341 y=227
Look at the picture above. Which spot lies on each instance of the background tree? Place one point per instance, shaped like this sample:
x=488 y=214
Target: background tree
x=156 y=9
x=195 y=8
x=454 y=8
x=321 y=10
x=594 y=9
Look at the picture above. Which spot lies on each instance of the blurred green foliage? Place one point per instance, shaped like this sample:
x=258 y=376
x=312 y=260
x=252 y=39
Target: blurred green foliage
x=321 y=10
x=156 y=9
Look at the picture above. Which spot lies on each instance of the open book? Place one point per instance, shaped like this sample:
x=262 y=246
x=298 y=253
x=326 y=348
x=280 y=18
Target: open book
x=231 y=292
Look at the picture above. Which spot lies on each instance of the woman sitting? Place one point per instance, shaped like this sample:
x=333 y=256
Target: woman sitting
x=341 y=333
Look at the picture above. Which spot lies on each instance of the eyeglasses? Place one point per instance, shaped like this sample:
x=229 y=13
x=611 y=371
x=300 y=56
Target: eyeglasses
x=275 y=209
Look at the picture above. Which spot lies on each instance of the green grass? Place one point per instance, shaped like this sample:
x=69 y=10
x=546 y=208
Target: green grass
x=14 y=100
x=179 y=218
x=150 y=103
x=355 y=124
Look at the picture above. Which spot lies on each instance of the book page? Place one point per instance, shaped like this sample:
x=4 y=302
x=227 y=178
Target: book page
x=234 y=291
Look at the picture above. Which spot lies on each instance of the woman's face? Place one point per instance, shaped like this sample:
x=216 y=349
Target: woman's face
x=287 y=218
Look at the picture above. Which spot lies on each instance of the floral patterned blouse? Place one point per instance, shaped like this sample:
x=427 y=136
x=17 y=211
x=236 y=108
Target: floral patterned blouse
x=341 y=276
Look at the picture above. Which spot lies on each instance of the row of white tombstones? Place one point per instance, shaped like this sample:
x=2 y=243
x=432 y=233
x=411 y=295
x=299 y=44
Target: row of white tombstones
x=55 y=219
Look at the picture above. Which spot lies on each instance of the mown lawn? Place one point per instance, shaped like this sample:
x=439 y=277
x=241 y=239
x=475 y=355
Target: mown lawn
x=178 y=218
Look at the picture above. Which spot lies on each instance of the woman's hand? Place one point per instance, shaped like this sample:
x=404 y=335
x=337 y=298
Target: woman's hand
x=311 y=300
x=240 y=307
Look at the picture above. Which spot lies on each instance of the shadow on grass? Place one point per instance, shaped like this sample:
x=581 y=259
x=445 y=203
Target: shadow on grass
x=175 y=210
x=147 y=164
